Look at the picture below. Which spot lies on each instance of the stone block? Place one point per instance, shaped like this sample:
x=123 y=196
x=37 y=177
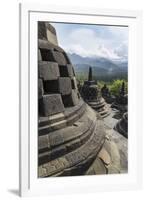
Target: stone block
x=74 y=83
x=39 y=55
x=52 y=104
x=70 y=70
x=43 y=142
x=40 y=88
x=57 y=152
x=44 y=44
x=56 y=139
x=74 y=96
x=48 y=70
x=66 y=57
x=42 y=30
x=59 y=58
x=65 y=86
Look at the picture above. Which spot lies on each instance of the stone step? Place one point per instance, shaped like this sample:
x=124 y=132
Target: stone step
x=73 y=117
x=97 y=105
x=104 y=113
x=61 y=116
x=78 y=160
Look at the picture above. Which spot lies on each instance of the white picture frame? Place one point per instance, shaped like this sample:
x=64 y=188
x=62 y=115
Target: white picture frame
x=30 y=185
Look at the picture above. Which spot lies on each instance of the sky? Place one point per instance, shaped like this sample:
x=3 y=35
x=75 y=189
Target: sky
x=93 y=40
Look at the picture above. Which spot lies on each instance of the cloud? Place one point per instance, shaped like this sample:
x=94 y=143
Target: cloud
x=122 y=50
x=93 y=41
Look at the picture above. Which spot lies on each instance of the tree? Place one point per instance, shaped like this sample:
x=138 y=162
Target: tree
x=116 y=86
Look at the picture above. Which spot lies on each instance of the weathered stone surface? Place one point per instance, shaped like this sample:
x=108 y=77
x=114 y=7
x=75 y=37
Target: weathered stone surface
x=74 y=83
x=70 y=70
x=39 y=55
x=40 y=88
x=65 y=85
x=59 y=58
x=50 y=28
x=44 y=44
x=96 y=168
x=47 y=31
x=81 y=157
x=43 y=142
x=104 y=156
x=56 y=139
x=75 y=98
x=57 y=152
x=42 y=30
x=42 y=171
x=52 y=104
x=48 y=70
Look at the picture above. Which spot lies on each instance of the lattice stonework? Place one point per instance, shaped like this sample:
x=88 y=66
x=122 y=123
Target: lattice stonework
x=57 y=82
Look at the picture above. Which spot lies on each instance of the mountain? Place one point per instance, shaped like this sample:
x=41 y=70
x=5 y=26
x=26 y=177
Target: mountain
x=102 y=68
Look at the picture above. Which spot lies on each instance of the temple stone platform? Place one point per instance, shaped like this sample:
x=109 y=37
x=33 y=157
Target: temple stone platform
x=72 y=137
x=122 y=125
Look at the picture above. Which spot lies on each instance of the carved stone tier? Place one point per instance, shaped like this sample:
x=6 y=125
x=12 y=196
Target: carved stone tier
x=100 y=106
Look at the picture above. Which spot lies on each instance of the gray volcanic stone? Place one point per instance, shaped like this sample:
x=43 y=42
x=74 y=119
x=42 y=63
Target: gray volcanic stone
x=56 y=139
x=52 y=104
x=65 y=85
x=43 y=142
x=96 y=168
x=51 y=28
x=75 y=98
x=42 y=30
x=59 y=58
x=48 y=70
x=74 y=83
x=40 y=88
x=39 y=55
x=70 y=70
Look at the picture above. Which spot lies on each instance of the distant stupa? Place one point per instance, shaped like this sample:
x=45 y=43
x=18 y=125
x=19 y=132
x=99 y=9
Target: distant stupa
x=91 y=94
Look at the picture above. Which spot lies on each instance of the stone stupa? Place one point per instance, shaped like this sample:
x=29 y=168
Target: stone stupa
x=71 y=135
x=92 y=95
x=121 y=101
x=105 y=92
x=122 y=125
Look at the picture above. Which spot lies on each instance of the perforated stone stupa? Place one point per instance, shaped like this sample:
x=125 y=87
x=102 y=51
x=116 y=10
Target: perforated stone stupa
x=121 y=101
x=71 y=135
x=92 y=95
